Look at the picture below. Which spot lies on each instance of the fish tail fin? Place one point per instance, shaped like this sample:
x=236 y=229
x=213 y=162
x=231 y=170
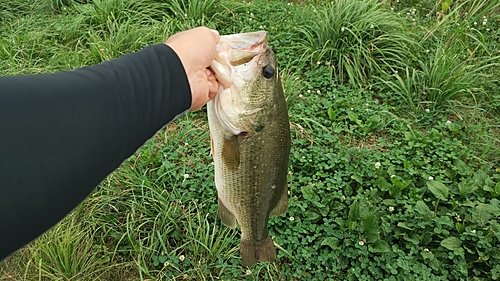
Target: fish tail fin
x=253 y=252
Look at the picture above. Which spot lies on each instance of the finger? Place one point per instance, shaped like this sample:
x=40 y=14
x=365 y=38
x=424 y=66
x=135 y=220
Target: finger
x=216 y=33
x=213 y=85
x=213 y=88
x=210 y=74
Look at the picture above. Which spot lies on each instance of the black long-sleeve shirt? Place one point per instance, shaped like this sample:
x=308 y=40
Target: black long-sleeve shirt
x=61 y=134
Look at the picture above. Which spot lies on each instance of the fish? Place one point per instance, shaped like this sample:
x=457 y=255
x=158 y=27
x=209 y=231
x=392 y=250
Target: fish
x=250 y=141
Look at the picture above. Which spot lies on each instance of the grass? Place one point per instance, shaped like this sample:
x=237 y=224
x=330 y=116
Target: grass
x=356 y=38
x=395 y=164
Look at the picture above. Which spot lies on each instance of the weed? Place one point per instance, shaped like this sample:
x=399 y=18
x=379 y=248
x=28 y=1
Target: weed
x=355 y=38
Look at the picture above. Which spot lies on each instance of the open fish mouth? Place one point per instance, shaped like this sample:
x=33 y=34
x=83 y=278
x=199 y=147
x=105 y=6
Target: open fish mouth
x=237 y=56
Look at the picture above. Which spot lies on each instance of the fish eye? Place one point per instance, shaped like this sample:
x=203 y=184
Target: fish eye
x=268 y=72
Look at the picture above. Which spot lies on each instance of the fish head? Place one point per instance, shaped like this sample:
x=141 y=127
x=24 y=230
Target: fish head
x=248 y=76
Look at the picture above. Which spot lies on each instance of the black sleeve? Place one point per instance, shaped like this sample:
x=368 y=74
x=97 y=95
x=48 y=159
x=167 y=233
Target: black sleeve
x=61 y=134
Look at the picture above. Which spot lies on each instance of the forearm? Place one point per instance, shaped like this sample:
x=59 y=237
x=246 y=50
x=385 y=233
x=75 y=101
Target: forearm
x=61 y=134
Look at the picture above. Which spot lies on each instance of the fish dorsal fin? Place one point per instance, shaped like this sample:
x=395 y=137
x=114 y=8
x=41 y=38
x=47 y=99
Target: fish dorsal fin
x=282 y=205
x=226 y=216
x=231 y=152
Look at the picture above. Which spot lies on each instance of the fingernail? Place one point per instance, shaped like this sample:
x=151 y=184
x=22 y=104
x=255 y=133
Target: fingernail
x=209 y=73
x=215 y=31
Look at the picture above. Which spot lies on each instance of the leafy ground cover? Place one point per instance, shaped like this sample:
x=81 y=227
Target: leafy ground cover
x=395 y=165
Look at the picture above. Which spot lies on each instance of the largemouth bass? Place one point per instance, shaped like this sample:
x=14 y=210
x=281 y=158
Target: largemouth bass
x=250 y=135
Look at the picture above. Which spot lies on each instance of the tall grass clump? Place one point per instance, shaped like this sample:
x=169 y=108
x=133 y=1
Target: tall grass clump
x=438 y=80
x=356 y=38
x=457 y=63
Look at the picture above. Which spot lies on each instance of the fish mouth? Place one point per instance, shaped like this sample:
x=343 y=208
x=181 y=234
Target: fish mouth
x=238 y=54
x=243 y=47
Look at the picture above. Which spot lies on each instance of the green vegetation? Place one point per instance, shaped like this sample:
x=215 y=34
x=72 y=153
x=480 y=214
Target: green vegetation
x=395 y=164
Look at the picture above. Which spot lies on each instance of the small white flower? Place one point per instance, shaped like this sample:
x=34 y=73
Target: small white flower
x=412 y=19
x=343 y=197
x=487 y=29
x=292 y=218
x=458 y=218
x=318 y=63
x=318 y=91
x=473 y=231
x=448 y=123
x=427 y=110
x=342 y=29
x=250 y=19
x=186 y=144
x=408 y=14
x=182 y=257
x=308 y=91
x=261 y=27
x=361 y=243
x=248 y=272
x=393 y=176
x=377 y=165
x=431 y=178
x=475 y=23
x=352 y=108
x=372 y=26
x=251 y=14
x=426 y=250
x=392 y=9
x=391 y=209
x=427 y=51
x=301 y=96
x=186 y=176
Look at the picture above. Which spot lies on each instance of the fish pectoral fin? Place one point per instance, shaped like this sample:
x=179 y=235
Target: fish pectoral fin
x=227 y=218
x=252 y=252
x=231 y=152
x=282 y=205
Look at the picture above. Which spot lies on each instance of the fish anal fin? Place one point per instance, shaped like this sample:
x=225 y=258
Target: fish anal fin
x=231 y=152
x=252 y=252
x=282 y=204
x=226 y=216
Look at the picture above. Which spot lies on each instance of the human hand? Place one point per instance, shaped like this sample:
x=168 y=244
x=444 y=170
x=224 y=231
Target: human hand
x=196 y=50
